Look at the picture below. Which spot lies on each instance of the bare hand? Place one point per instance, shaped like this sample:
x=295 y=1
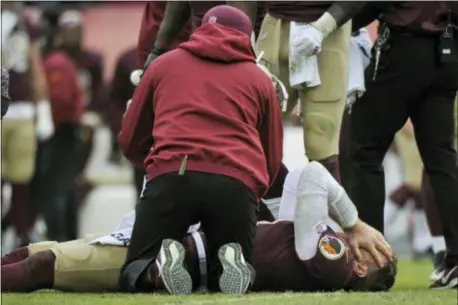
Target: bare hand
x=361 y=235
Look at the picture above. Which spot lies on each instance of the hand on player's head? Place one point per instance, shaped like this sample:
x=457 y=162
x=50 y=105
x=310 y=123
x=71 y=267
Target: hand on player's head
x=363 y=236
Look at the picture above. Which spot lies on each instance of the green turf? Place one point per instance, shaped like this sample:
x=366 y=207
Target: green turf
x=410 y=289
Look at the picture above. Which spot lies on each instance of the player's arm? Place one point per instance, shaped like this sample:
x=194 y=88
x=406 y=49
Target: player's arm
x=44 y=122
x=341 y=209
x=337 y=15
x=177 y=13
x=135 y=137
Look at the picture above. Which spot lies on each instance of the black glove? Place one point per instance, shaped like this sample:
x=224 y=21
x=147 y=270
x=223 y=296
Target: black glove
x=155 y=53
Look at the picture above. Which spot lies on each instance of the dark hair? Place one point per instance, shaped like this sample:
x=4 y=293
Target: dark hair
x=381 y=279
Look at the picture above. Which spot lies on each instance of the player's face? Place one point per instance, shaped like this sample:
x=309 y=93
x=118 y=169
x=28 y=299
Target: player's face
x=367 y=266
x=71 y=37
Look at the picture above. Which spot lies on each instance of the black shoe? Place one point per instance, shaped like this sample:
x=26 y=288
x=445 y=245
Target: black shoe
x=439 y=266
x=170 y=263
x=237 y=275
x=449 y=280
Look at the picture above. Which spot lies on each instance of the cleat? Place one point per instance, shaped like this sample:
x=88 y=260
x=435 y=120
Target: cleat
x=449 y=280
x=439 y=266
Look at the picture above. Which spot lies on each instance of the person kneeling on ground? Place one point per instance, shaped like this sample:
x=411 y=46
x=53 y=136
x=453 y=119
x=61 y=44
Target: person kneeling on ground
x=205 y=124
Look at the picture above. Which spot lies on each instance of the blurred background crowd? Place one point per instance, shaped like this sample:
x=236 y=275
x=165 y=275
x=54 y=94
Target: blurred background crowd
x=91 y=185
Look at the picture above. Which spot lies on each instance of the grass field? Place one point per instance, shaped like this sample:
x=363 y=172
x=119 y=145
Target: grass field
x=410 y=289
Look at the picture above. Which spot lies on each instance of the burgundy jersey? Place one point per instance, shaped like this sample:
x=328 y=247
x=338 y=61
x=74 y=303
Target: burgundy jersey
x=278 y=267
x=300 y=11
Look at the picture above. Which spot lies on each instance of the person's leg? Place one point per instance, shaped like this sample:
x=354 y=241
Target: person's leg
x=65 y=149
x=377 y=116
x=323 y=106
x=228 y=218
x=435 y=227
x=22 y=166
x=73 y=266
x=434 y=128
x=165 y=211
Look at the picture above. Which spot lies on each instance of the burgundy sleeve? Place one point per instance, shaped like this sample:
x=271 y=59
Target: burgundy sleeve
x=271 y=132
x=136 y=135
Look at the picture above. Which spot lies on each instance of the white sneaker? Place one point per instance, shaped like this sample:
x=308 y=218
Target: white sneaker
x=237 y=274
x=170 y=263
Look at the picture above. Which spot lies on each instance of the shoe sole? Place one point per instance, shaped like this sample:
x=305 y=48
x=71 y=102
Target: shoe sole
x=175 y=277
x=453 y=284
x=236 y=276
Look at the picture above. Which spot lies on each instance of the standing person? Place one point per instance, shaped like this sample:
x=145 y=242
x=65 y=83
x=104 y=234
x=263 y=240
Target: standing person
x=321 y=29
x=206 y=125
x=90 y=66
x=58 y=157
x=29 y=115
x=414 y=35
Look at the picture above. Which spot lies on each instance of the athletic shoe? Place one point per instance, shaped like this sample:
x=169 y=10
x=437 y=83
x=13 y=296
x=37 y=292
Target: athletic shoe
x=439 y=266
x=237 y=274
x=170 y=263
x=449 y=280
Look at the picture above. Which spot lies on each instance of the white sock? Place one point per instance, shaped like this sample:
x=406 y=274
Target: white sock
x=438 y=244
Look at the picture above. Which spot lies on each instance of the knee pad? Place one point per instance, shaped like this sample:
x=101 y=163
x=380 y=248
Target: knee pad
x=320 y=135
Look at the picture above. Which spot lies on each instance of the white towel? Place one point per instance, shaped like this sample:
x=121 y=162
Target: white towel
x=123 y=232
x=359 y=59
x=303 y=72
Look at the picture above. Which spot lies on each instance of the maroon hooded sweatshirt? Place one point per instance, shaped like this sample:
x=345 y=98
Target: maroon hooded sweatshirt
x=208 y=100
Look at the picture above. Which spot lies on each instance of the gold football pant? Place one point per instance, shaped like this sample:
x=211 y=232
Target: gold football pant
x=83 y=267
x=322 y=106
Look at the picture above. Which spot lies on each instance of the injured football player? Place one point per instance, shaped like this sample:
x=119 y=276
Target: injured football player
x=300 y=252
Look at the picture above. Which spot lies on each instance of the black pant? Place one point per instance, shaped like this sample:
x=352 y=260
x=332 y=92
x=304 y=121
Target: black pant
x=409 y=83
x=170 y=203
x=56 y=170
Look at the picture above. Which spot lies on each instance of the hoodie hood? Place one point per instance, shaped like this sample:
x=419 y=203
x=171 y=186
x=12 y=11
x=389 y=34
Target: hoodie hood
x=216 y=42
